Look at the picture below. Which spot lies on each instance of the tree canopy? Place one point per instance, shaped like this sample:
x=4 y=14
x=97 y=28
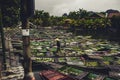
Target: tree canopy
x=10 y=12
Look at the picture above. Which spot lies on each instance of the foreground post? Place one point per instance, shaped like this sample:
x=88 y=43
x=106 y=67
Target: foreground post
x=26 y=12
x=26 y=48
x=2 y=37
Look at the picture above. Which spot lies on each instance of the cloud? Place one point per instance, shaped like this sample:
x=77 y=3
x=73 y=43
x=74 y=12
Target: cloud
x=58 y=7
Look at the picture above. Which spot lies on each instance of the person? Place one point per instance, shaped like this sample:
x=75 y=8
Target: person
x=58 y=44
x=48 y=51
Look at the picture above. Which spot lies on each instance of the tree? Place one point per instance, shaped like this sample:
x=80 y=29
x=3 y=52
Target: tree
x=10 y=12
x=73 y=15
x=82 y=13
x=41 y=18
x=115 y=27
x=45 y=18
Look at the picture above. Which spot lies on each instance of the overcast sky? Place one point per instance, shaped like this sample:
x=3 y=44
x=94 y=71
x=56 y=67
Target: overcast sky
x=58 y=7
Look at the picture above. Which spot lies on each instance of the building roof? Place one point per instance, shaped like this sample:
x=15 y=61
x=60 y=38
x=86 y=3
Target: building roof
x=110 y=15
x=101 y=15
x=96 y=15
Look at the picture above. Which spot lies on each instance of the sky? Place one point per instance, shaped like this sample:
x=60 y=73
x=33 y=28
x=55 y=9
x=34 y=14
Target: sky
x=59 y=7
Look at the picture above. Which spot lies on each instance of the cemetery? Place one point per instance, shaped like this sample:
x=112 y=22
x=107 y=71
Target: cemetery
x=61 y=44
x=80 y=57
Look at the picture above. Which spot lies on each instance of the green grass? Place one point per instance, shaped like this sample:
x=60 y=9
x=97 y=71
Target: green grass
x=107 y=58
x=70 y=70
x=107 y=62
x=91 y=64
x=92 y=76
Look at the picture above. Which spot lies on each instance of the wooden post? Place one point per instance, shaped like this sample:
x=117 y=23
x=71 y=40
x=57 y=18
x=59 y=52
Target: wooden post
x=27 y=64
x=2 y=37
x=26 y=49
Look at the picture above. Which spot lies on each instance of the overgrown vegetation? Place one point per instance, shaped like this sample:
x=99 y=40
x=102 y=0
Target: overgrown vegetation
x=10 y=12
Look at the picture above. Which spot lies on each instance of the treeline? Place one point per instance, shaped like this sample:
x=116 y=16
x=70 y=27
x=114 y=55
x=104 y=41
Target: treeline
x=75 y=18
x=82 y=22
